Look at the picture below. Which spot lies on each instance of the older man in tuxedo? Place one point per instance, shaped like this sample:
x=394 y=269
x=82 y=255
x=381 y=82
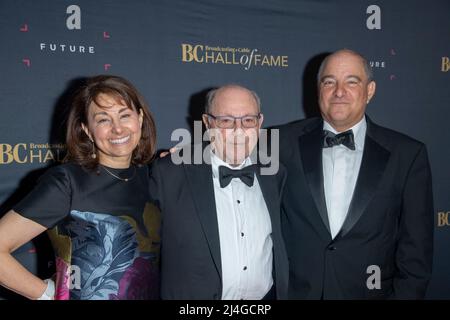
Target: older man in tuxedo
x=358 y=204
x=221 y=227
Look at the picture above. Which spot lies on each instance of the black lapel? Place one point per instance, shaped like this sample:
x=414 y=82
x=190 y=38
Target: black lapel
x=271 y=194
x=311 y=153
x=373 y=164
x=199 y=177
x=270 y=190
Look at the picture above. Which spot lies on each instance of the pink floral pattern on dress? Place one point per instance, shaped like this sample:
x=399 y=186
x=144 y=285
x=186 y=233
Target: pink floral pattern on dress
x=139 y=282
x=62 y=280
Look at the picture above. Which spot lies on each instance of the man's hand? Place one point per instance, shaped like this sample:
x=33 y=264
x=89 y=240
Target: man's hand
x=165 y=153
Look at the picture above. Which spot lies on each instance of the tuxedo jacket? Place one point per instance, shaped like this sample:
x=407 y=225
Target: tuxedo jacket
x=388 y=227
x=190 y=245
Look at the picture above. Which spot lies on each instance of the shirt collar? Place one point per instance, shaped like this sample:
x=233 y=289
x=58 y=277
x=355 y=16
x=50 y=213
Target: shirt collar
x=359 y=131
x=216 y=162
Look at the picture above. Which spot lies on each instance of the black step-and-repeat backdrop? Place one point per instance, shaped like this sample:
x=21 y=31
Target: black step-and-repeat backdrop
x=174 y=51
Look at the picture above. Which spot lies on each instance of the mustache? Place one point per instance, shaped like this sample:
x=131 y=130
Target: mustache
x=237 y=140
x=335 y=101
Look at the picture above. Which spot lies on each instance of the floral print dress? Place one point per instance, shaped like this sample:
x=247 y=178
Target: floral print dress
x=104 y=232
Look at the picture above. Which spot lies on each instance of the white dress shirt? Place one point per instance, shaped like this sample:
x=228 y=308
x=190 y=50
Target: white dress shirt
x=340 y=172
x=245 y=236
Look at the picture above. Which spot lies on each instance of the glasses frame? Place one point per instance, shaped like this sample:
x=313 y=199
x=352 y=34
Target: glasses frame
x=215 y=118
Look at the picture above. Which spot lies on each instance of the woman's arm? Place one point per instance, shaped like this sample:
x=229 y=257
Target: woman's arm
x=15 y=231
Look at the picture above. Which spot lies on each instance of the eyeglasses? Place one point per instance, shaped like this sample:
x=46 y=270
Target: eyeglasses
x=229 y=122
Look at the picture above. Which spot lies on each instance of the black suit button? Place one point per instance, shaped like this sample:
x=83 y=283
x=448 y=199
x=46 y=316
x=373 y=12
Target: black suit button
x=245 y=268
x=332 y=248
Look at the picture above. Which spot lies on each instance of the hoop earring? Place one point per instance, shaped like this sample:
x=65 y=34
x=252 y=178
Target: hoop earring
x=93 y=155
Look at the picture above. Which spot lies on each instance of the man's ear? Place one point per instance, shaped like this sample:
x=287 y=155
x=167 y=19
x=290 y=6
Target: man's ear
x=261 y=119
x=86 y=130
x=371 y=87
x=205 y=120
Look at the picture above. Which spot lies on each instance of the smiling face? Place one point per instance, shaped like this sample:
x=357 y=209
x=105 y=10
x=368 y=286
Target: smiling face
x=344 y=90
x=236 y=144
x=115 y=129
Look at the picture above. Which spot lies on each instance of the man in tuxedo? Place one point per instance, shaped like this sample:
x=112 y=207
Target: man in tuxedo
x=221 y=227
x=357 y=210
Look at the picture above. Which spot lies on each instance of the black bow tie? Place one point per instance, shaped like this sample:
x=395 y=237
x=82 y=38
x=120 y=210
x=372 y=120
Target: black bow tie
x=345 y=138
x=246 y=175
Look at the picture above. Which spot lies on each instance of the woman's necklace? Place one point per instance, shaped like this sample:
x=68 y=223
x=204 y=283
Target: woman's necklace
x=120 y=178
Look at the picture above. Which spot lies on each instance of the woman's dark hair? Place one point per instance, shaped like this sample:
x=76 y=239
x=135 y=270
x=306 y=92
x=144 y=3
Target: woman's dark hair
x=79 y=147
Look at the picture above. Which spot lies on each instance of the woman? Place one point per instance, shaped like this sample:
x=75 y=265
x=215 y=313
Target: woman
x=104 y=233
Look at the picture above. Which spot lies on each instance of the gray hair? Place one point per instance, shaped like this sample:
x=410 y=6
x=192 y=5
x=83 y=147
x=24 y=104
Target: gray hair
x=211 y=95
x=367 y=68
